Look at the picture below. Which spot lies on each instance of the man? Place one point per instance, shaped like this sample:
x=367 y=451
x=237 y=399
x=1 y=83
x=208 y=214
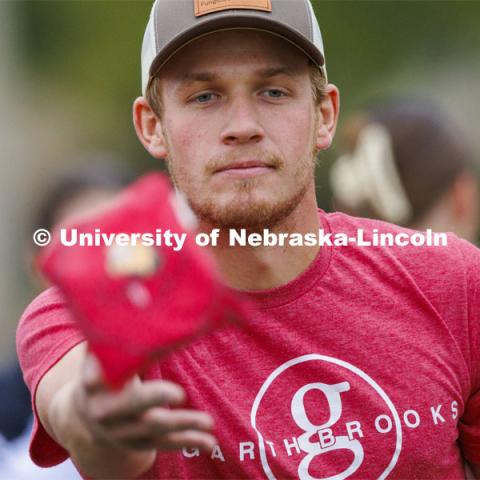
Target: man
x=357 y=363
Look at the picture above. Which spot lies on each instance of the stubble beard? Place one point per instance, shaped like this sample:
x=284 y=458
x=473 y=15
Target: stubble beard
x=245 y=210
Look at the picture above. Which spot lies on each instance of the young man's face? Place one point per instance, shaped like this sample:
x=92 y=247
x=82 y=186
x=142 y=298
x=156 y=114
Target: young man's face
x=240 y=127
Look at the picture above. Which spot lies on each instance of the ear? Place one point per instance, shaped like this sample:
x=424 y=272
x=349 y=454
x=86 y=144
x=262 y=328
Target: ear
x=149 y=129
x=327 y=111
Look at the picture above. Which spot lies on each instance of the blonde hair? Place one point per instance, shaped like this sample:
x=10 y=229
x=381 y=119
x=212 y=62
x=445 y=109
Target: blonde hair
x=153 y=92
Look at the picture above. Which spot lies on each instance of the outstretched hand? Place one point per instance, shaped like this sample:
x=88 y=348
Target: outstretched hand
x=139 y=416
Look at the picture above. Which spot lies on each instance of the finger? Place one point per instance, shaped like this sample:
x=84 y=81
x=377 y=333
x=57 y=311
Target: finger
x=187 y=439
x=125 y=405
x=137 y=443
x=92 y=377
x=138 y=439
x=157 y=422
x=161 y=420
x=203 y=442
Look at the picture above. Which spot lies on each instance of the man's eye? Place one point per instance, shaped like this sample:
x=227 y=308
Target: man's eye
x=274 y=93
x=205 y=97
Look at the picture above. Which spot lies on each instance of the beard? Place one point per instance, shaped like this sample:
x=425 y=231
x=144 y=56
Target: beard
x=245 y=208
x=248 y=211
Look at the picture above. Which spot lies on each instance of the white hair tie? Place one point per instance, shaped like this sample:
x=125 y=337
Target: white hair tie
x=370 y=176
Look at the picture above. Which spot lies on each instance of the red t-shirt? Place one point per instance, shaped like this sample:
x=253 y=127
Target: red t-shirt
x=365 y=366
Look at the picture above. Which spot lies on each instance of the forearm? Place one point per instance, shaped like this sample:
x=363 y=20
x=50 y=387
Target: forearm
x=95 y=458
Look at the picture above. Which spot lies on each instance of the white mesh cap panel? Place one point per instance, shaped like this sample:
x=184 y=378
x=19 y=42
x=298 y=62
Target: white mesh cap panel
x=317 y=35
x=149 y=49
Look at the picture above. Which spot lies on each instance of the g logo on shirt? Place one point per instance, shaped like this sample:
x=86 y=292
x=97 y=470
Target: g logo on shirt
x=338 y=421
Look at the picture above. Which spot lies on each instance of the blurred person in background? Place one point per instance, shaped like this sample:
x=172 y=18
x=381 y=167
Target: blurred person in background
x=83 y=191
x=15 y=404
x=408 y=163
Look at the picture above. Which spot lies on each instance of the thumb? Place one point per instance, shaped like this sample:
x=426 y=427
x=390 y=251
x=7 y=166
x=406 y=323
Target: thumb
x=92 y=374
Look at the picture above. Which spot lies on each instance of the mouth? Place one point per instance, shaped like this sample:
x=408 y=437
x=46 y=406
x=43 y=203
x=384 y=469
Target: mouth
x=246 y=168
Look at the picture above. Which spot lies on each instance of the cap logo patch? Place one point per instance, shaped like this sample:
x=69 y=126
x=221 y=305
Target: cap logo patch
x=202 y=7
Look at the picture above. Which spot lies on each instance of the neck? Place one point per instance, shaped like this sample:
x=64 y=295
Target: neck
x=264 y=267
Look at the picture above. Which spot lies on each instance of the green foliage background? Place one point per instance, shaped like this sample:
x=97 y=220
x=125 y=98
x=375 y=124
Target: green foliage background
x=85 y=54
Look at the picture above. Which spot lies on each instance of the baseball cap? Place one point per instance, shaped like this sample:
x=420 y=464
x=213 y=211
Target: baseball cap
x=175 y=23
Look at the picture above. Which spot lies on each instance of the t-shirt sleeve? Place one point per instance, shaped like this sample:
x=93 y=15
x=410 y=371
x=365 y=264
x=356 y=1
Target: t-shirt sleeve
x=469 y=427
x=46 y=332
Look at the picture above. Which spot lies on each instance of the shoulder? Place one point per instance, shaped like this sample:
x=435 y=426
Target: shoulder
x=49 y=299
x=440 y=251
x=446 y=274
x=443 y=280
x=48 y=308
x=46 y=331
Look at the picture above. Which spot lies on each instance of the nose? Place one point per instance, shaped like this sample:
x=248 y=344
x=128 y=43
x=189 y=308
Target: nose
x=242 y=125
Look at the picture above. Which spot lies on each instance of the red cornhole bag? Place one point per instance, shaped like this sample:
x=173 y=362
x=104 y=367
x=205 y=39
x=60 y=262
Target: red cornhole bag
x=137 y=302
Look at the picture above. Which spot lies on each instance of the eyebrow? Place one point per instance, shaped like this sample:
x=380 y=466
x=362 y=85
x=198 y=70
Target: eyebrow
x=199 y=77
x=193 y=77
x=273 y=72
